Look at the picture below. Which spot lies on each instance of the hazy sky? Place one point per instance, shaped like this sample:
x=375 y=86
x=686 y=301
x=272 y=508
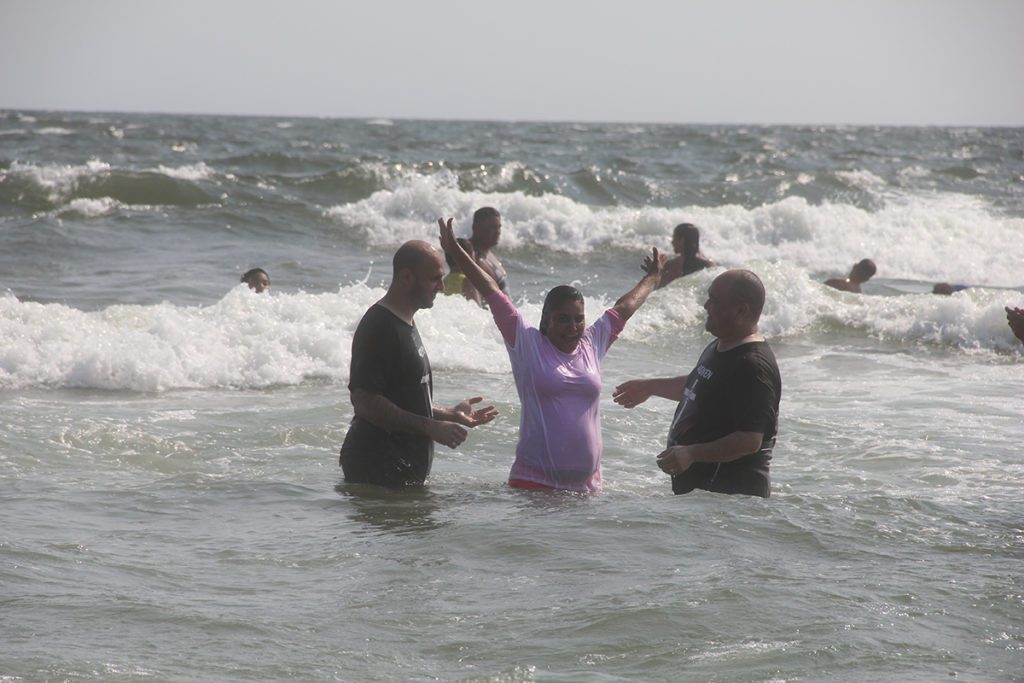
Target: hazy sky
x=742 y=61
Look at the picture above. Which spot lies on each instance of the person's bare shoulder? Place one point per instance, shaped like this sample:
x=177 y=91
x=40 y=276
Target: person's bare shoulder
x=672 y=269
x=842 y=284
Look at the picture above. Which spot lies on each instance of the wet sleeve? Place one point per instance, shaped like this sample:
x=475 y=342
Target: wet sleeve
x=374 y=357
x=605 y=331
x=753 y=399
x=505 y=315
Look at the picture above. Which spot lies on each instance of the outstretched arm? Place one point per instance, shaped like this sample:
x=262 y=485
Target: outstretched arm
x=465 y=415
x=672 y=269
x=629 y=302
x=469 y=291
x=634 y=392
x=381 y=412
x=483 y=282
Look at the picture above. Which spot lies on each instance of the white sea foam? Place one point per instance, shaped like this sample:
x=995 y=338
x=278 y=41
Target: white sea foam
x=798 y=306
x=93 y=207
x=198 y=171
x=59 y=180
x=244 y=340
x=864 y=180
x=53 y=130
x=936 y=237
x=252 y=341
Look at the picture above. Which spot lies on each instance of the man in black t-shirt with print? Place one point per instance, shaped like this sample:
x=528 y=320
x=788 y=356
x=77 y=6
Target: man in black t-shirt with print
x=723 y=432
x=391 y=439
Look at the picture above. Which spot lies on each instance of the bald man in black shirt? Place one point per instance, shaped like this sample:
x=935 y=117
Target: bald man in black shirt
x=391 y=439
x=723 y=432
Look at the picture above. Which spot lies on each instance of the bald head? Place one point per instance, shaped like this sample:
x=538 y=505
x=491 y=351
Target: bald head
x=417 y=278
x=745 y=288
x=412 y=256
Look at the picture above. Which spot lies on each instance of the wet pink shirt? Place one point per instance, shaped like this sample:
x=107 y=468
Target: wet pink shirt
x=560 y=424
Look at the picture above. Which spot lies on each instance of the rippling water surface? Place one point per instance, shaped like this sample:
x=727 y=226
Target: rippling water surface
x=170 y=502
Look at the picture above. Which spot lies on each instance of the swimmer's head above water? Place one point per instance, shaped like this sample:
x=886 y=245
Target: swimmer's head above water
x=257 y=279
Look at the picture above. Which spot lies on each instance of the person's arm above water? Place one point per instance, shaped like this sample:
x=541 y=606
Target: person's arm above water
x=634 y=392
x=381 y=412
x=504 y=313
x=470 y=292
x=629 y=302
x=843 y=284
x=483 y=282
x=752 y=405
x=464 y=413
x=672 y=270
x=677 y=459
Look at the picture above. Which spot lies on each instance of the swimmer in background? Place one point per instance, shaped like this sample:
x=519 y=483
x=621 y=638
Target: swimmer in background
x=455 y=282
x=686 y=244
x=486 y=234
x=861 y=272
x=1015 y=319
x=257 y=279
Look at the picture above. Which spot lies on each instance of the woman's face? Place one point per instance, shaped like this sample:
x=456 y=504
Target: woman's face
x=565 y=325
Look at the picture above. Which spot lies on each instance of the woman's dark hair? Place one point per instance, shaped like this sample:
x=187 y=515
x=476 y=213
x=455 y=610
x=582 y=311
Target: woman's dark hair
x=252 y=273
x=691 y=235
x=555 y=298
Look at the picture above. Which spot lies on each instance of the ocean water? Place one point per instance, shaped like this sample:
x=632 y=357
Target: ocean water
x=171 y=507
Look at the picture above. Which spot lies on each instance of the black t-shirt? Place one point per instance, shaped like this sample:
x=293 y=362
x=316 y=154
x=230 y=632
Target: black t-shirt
x=735 y=390
x=388 y=359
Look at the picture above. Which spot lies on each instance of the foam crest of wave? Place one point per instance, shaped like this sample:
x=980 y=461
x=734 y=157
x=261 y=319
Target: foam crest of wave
x=933 y=237
x=251 y=341
x=797 y=305
x=199 y=171
x=57 y=180
x=244 y=341
x=57 y=184
x=971 y=320
x=91 y=208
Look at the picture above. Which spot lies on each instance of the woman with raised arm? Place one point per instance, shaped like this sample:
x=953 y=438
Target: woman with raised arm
x=557 y=369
